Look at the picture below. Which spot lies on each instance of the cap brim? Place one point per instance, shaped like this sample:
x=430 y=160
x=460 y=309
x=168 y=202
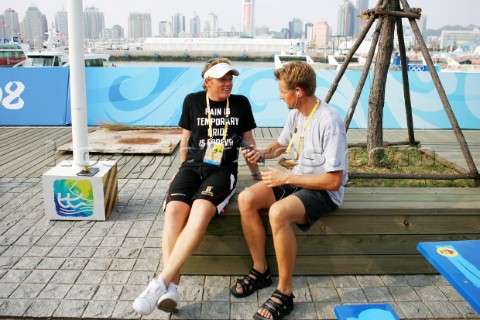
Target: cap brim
x=219 y=70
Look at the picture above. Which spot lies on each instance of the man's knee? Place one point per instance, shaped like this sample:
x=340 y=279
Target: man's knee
x=246 y=199
x=277 y=215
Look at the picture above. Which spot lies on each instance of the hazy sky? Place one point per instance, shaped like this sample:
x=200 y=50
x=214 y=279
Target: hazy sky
x=273 y=13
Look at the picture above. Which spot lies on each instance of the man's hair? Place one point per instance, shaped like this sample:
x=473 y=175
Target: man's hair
x=298 y=74
x=210 y=63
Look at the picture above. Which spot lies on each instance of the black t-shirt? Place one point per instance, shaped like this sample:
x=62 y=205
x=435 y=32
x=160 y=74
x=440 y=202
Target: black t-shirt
x=195 y=119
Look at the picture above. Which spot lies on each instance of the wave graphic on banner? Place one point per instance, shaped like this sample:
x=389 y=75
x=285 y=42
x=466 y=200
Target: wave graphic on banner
x=73 y=198
x=154 y=94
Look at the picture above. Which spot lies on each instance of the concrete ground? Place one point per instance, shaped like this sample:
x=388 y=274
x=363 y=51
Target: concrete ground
x=94 y=270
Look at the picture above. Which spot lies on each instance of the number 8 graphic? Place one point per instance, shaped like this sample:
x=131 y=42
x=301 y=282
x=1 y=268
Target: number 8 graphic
x=13 y=101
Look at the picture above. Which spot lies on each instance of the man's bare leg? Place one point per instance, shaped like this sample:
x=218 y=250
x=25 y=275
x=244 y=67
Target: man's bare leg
x=250 y=202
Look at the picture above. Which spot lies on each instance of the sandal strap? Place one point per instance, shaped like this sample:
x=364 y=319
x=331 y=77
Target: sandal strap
x=286 y=300
x=248 y=283
x=261 y=276
x=276 y=310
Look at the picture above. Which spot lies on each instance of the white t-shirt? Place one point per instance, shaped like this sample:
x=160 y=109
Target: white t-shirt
x=324 y=147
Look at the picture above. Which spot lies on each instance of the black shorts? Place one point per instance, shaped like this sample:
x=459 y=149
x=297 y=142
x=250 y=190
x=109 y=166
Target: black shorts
x=316 y=202
x=207 y=182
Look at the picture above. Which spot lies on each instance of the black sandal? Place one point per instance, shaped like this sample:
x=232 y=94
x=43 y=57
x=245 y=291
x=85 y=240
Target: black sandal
x=277 y=311
x=252 y=282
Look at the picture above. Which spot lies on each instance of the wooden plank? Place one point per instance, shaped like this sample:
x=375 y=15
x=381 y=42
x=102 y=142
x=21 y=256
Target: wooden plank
x=52 y=162
x=17 y=146
x=146 y=161
x=151 y=167
x=130 y=162
x=313 y=265
x=46 y=158
x=7 y=132
x=257 y=133
x=325 y=245
x=398 y=207
x=28 y=159
x=390 y=224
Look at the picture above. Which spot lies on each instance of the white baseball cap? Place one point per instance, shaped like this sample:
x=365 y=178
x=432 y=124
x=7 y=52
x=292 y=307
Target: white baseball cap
x=219 y=70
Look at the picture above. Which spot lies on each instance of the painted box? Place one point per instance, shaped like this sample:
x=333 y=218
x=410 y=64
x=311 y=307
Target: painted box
x=68 y=196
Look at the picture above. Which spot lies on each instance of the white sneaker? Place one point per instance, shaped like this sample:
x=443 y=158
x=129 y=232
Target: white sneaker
x=169 y=301
x=145 y=303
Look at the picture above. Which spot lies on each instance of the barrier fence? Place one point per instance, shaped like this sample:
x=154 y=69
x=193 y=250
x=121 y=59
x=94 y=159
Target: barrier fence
x=153 y=96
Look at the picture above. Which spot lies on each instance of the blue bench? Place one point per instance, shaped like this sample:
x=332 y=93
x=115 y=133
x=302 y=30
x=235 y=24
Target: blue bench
x=459 y=263
x=365 y=312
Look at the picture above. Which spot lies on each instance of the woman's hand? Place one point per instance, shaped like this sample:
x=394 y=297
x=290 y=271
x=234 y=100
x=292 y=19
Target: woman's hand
x=252 y=155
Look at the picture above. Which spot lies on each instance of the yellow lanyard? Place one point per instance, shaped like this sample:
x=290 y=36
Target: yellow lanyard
x=300 y=140
x=227 y=114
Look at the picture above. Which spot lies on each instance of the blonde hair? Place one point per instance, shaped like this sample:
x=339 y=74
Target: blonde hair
x=210 y=63
x=298 y=74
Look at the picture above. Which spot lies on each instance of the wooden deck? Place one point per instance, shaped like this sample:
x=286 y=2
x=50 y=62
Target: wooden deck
x=28 y=152
x=375 y=231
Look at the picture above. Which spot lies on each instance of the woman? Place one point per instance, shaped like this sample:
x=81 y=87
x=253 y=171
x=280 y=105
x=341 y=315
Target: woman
x=206 y=180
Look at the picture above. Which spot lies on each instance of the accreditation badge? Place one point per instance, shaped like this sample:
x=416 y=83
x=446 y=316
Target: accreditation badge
x=214 y=153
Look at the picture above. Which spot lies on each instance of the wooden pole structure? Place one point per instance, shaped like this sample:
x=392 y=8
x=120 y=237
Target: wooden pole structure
x=348 y=58
x=406 y=84
x=364 y=75
x=443 y=97
x=376 y=100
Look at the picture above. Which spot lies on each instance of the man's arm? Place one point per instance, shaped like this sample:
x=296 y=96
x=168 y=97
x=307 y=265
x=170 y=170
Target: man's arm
x=331 y=181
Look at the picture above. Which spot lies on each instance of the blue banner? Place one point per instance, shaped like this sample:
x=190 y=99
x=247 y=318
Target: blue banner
x=153 y=96
x=33 y=96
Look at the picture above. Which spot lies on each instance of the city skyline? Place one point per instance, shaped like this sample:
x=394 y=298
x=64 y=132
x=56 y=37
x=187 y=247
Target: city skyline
x=273 y=14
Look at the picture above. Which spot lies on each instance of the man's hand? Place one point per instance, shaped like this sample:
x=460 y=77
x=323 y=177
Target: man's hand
x=274 y=178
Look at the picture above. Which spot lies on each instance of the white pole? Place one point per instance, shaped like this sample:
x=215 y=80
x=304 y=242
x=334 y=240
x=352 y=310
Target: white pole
x=78 y=90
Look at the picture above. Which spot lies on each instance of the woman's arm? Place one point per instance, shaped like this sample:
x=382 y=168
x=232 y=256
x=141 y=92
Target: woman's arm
x=184 y=144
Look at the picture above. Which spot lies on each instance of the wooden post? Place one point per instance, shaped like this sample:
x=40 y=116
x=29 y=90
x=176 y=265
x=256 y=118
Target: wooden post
x=406 y=84
x=443 y=97
x=377 y=93
x=348 y=58
x=364 y=75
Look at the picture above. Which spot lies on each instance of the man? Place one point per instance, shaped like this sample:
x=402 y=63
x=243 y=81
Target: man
x=212 y=122
x=314 y=148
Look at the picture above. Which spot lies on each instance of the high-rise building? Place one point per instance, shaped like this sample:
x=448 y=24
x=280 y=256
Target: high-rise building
x=422 y=25
x=261 y=31
x=295 y=29
x=211 y=25
x=118 y=32
x=11 y=24
x=346 y=13
x=195 y=26
x=360 y=7
x=178 y=24
x=139 y=25
x=321 y=33
x=308 y=31
x=94 y=21
x=165 y=29
x=2 y=27
x=35 y=27
x=61 y=22
x=249 y=18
